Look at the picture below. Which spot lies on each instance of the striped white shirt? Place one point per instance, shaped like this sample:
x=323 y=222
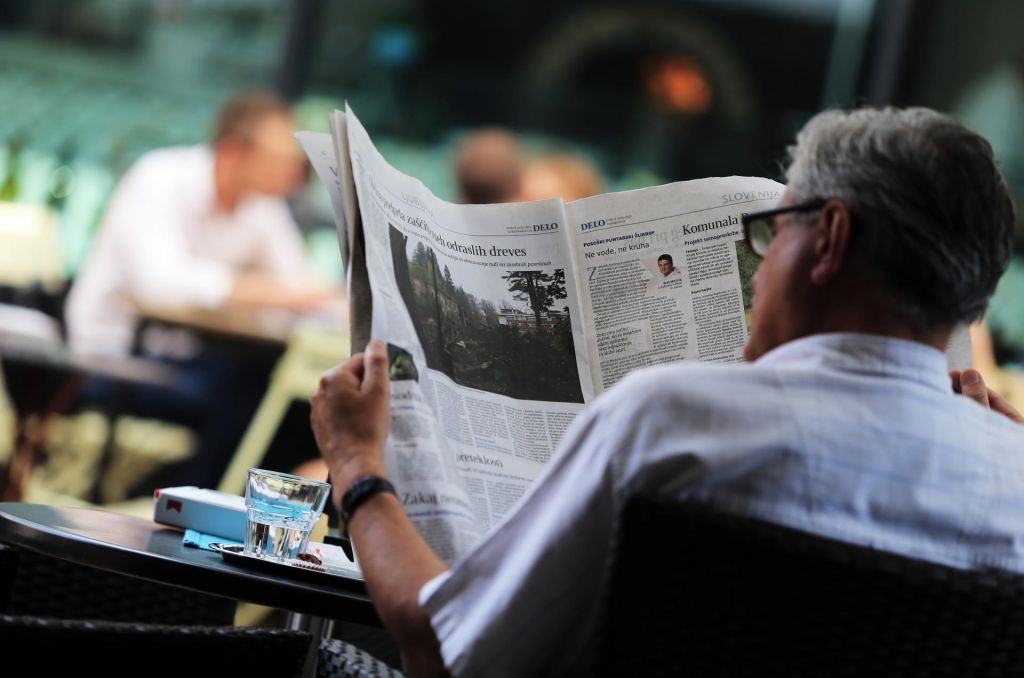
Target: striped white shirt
x=855 y=437
x=164 y=243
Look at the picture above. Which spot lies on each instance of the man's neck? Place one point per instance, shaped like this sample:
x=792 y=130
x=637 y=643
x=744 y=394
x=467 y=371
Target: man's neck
x=871 y=311
x=226 y=187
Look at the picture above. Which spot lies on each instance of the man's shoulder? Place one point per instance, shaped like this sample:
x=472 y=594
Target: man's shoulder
x=171 y=185
x=267 y=213
x=173 y=161
x=266 y=205
x=681 y=383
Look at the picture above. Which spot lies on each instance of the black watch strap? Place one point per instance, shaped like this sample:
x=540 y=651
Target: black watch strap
x=357 y=494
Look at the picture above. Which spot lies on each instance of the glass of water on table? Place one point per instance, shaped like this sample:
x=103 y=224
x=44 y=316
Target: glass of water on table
x=282 y=511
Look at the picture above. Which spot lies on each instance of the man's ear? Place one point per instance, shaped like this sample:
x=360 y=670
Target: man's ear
x=832 y=248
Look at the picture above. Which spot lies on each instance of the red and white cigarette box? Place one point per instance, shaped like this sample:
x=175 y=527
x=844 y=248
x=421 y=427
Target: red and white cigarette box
x=208 y=511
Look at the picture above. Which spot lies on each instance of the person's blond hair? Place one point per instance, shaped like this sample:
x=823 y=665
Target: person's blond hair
x=488 y=163
x=561 y=175
x=238 y=118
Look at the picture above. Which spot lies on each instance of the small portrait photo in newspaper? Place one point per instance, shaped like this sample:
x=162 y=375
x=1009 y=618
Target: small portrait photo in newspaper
x=665 y=274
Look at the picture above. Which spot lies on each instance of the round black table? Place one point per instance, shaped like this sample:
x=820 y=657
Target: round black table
x=141 y=548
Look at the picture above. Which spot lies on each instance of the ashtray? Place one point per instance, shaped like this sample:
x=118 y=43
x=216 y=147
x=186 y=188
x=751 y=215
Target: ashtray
x=300 y=569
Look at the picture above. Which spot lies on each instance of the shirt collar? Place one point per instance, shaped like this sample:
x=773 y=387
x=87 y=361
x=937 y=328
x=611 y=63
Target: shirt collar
x=865 y=354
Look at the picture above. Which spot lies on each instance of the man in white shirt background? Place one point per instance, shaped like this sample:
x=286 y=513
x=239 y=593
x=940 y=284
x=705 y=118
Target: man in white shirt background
x=204 y=226
x=895 y=227
x=199 y=226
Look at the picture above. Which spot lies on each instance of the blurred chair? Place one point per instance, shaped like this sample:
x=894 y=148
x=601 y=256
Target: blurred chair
x=339 y=659
x=23 y=327
x=41 y=377
x=139 y=448
x=697 y=593
x=20 y=326
x=8 y=566
x=30 y=247
x=36 y=391
x=32 y=276
x=30 y=324
x=87 y=615
x=309 y=354
x=42 y=586
x=43 y=381
x=43 y=646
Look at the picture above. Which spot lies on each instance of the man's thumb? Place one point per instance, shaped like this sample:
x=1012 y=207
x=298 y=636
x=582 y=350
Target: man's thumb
x=375 y=366
x=972 y=386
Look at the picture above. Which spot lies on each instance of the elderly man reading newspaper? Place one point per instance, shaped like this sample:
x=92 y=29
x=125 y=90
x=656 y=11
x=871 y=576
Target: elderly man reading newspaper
x=843 y=423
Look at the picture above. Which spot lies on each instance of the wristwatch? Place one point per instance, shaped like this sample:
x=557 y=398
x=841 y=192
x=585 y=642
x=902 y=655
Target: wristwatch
x=357 y=494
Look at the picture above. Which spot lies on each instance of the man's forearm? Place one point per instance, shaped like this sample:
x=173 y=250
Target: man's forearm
x=350 y=414
x=262 y=289
x=396 y=563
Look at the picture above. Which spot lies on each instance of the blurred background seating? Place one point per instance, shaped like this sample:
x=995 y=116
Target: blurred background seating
x=310 y=353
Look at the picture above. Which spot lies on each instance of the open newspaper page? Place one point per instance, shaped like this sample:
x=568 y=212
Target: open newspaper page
x=488 y=360
x=486 y=309
x=329 y=156
x=664 y=272
x=320 y=149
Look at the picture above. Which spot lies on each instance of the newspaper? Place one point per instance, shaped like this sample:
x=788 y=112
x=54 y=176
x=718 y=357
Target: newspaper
x=503 y=321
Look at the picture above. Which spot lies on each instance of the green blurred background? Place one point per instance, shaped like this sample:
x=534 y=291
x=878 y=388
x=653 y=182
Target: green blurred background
x=652 y=91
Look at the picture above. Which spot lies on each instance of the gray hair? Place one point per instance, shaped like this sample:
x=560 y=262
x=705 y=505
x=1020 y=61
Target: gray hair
x=932 y=216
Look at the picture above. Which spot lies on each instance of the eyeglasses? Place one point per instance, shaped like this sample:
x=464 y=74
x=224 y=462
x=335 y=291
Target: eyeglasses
x=758 y=229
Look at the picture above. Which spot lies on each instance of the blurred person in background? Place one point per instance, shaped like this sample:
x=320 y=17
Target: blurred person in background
x=488 y=165
x=559 y=175
x=200 y=226
x=203 y=226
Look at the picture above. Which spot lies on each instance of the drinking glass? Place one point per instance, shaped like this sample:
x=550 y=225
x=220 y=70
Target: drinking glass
x=282 y=510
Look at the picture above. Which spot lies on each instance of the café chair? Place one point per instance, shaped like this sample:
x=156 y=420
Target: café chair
x=31 y=389
x=339 y=659
x=46 y=646
x=8 y=565
x=38 y=585
x=41 y=380
x=694 y=592
x=310 y=353
x=30 y=250
x=47 y=602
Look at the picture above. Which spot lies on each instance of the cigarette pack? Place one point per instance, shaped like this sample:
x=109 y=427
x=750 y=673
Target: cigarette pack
x=208 y=511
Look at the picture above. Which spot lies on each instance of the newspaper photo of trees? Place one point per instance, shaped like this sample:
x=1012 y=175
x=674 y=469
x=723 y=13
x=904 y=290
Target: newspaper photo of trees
x=517 y=343
x=748 y=263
